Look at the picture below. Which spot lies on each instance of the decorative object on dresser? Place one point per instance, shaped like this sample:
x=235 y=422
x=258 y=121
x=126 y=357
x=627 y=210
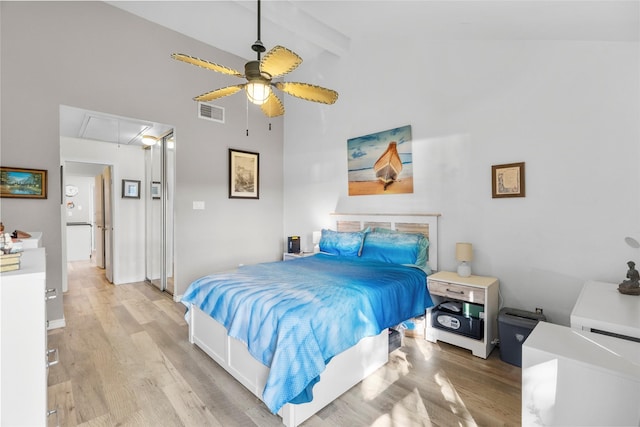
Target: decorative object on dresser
x=23 y=183
x=9 y=261
x=507 y=180
x=631 y=286
x=244 y=174
x=447 y=286
x=464 y=255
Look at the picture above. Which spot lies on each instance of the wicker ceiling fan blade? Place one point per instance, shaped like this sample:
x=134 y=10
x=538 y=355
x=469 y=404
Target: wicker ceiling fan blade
x=219 y=93
x=279 y=61
x=308 y=92
x=206 y=64
x=273 y=107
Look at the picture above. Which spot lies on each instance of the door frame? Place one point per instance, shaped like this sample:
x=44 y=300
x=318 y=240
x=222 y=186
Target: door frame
x=63 y=214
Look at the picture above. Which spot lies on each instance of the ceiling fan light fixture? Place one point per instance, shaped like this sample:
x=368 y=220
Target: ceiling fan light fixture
x=148 y=140
x=258 y=92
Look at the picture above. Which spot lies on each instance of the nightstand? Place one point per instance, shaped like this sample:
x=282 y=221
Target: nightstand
x=289 y=256
x=448 y=286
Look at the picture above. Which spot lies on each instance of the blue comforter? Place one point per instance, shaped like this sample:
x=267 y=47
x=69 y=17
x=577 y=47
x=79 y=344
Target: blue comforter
x=295 y=316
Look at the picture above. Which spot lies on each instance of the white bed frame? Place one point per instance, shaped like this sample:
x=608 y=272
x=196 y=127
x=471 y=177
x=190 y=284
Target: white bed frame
x=347 y=368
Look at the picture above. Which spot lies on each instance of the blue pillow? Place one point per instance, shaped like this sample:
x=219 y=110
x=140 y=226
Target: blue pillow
x=395 y=247
x=347 y=243
x=423 y=245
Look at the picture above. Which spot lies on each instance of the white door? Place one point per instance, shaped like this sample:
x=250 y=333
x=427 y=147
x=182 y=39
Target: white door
x=98 y=221
x=108 y=224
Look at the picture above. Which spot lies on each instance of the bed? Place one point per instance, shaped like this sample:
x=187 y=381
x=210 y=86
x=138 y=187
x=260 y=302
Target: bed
x=254 y=324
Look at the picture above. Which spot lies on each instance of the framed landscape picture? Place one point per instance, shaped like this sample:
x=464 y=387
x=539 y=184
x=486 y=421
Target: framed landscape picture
x=23 y=183
x=244 y=176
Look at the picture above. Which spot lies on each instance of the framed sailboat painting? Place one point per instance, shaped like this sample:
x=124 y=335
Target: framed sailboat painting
x=381 y=163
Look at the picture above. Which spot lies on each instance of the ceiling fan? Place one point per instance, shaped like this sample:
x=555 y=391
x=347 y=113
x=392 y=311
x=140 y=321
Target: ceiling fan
x=260 y=74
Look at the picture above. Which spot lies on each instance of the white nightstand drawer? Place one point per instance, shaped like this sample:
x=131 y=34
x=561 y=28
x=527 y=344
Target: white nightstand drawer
x=454 y=290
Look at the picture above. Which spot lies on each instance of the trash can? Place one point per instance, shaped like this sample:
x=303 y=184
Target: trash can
x=514 y=326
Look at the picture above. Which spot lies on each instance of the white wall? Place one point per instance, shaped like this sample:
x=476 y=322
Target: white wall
x=569 y=109
x=94 y=56
x=128 y=214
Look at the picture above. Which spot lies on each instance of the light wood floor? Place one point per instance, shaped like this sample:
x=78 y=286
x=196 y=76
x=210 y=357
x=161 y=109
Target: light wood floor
x=125 y=360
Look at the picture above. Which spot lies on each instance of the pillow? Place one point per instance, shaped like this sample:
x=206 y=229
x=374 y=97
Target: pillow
x=347 y=243
x=396 y=247
x=423 y=243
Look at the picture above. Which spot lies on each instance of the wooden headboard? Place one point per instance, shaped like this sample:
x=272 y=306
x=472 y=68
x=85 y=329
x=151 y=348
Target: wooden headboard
x=426 y=224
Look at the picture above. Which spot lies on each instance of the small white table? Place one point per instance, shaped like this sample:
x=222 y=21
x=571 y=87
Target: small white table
x=601 y=308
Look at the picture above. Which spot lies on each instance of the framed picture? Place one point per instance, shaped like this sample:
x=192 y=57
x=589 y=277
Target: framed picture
x=130 y=189
x=156 y=190
x=244 y=176
x=507 y=180
x=23 y=183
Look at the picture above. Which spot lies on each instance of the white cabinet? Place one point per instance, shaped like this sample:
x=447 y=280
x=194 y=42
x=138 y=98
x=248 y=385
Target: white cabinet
x=23 y=341
x=579 y=378
x=481 y=290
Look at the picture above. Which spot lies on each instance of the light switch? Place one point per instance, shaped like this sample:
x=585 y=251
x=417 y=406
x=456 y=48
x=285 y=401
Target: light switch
x=198 y=205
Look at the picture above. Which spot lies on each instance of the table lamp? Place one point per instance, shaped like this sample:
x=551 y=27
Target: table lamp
x=464 y=255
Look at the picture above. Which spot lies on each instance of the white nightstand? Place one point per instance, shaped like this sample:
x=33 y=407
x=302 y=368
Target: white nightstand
x=288 y=257
x=446 y=286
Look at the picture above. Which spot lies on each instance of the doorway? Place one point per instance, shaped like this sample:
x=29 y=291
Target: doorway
x=88 y=215
x=89 y=136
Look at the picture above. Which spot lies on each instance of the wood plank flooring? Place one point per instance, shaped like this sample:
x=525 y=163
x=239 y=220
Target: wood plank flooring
x=125 y=360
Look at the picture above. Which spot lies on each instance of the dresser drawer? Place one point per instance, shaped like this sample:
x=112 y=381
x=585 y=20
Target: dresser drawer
x=456 y=291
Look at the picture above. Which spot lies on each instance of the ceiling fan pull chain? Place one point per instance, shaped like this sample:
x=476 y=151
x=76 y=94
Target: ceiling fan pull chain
x=247 y=111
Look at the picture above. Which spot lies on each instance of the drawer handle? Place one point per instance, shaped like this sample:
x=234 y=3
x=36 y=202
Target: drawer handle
x=48 y=291
x=453 y=291
x=54 y=411
x=56 y=360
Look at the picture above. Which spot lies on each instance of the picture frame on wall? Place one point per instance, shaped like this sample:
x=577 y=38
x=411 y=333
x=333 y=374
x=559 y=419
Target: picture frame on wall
x=507 y=180
x=130 y=189
x=244 y=174
x=20 y=183
x=156 y=190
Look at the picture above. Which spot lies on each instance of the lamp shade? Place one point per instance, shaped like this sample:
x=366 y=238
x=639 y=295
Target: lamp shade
x=464 y=252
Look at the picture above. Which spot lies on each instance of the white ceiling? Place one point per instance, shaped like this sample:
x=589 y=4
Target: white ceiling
x=312 y=27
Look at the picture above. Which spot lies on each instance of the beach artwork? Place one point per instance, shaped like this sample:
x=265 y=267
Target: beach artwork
x=381 y=163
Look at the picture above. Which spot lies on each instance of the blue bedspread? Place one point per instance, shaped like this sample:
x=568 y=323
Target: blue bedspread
x=295 y=316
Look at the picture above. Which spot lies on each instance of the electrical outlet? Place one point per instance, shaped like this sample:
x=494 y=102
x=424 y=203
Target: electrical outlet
x=538 y=310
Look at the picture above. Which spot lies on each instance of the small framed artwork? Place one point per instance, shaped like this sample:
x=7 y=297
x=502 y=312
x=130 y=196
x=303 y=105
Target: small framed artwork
x=507 y=180
x=244 y=176
x=156 y=190
x=21 y=183
x=130 y=189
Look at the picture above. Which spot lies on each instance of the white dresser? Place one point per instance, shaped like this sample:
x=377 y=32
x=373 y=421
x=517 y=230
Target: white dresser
x=24 y=358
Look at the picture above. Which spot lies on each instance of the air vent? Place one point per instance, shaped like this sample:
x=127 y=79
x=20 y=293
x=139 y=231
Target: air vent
x=211 y=112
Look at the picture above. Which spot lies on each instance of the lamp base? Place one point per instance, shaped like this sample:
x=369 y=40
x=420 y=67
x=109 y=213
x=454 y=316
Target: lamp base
x=464 y=269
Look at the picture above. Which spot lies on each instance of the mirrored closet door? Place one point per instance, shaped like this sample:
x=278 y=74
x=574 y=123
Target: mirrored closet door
x=160 y=181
